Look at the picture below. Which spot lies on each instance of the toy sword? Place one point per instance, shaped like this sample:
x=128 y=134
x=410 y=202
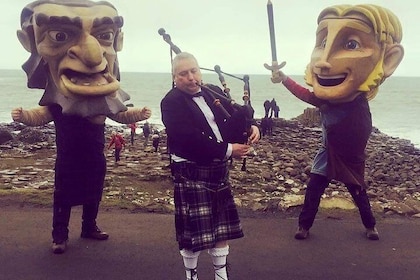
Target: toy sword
x=274 y=67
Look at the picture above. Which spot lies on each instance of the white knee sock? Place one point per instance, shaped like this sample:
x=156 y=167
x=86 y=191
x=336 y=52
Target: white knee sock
x=190 y=259
x=218 y=256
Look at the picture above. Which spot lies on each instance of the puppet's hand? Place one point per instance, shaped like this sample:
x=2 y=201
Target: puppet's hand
x=132 y=115
x=17 y=114
x=145 y=113
x=278 y=77
x=33 y=117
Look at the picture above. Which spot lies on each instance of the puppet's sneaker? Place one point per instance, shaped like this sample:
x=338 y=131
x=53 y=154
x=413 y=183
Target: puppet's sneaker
x=59 y=247
x=301 y=233
x=372 y=233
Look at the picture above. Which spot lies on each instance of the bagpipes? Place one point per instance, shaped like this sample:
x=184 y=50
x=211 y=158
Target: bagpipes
x=239 y=118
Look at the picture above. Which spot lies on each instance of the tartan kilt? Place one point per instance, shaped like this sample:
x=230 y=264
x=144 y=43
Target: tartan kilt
x=205 y=212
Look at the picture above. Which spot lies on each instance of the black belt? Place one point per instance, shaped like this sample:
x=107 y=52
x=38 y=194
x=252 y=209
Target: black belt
x=214 y=172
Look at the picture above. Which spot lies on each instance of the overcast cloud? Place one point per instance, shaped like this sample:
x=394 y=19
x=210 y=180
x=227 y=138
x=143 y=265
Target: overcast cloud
x=231 y=33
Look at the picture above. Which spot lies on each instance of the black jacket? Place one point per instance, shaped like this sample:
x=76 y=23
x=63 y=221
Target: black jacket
x=80 y=165
x=189 y=134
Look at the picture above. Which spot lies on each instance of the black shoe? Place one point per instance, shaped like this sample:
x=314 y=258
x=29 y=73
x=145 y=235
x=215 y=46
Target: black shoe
x=96 y=234
x=59 y=247
x=301 y=233
x=372 y=233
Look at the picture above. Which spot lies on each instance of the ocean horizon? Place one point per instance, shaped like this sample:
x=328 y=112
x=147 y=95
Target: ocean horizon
x=394 y=110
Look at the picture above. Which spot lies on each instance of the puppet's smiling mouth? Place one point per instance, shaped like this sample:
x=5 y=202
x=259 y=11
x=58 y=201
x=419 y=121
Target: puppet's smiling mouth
x=90 y=84
x=330 y=81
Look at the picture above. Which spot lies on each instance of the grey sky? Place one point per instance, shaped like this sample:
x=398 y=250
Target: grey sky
x=230 y=33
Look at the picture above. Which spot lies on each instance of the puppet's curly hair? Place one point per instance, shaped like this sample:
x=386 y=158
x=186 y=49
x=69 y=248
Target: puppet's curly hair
x=385 y=23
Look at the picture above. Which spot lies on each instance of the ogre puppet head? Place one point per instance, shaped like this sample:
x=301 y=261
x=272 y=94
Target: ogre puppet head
x=73 y=46
x=357 y=48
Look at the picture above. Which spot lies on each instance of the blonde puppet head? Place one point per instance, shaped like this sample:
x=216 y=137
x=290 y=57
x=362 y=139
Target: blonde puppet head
x=357 y=48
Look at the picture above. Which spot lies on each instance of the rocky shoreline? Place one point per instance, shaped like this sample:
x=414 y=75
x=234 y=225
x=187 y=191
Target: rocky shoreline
x=274 y=180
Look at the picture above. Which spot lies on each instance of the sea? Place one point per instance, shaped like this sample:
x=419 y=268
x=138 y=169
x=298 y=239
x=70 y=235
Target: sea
x=395 y=110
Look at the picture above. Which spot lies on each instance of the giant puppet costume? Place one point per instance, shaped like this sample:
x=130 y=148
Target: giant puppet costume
x=357 y=48
x=73 y=46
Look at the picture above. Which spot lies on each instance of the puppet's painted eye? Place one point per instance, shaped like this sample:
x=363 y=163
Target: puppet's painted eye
x=106 y=36
x=58 y=36
x=323 y=43
x=352 y=45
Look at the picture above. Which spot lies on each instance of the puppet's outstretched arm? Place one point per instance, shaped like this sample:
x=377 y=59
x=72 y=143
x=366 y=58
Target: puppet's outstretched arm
x=132 y=115
x=34 y=117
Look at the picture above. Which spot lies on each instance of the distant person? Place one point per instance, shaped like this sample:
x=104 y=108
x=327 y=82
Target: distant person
x=133 y=127
x=117 y=140
x=270 y=124
x=273 y=105
x=362 y=43
x=146 y=133
x=155 y=140
x=276 y=110
x=267 y=106
x=263 y=126
x=206 y=217
x=267 y=126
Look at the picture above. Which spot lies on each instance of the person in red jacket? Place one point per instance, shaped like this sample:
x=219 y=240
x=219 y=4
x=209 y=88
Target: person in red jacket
x=133 y=127
x=118 y=142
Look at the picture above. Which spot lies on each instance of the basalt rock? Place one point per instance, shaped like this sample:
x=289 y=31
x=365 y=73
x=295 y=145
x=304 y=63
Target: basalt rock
x=32 y=136
x=5 y=136
x=275 y=178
